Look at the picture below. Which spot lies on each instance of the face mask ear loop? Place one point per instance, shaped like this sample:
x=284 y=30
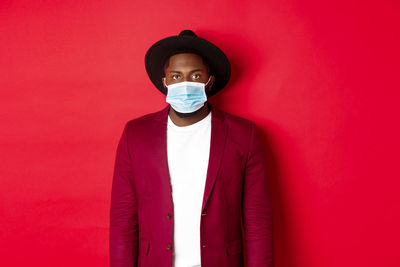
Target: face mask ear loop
x=164 y=83
x=207 y=82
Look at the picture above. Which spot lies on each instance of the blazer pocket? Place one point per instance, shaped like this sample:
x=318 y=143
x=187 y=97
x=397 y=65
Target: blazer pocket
x=234 y=247
x=144 y=246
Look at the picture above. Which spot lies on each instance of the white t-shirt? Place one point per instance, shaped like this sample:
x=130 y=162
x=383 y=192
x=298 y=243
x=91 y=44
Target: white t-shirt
x=188 y=149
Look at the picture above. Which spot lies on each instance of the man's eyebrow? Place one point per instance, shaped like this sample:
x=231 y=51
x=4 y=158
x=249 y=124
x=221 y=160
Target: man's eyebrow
x=197 y=70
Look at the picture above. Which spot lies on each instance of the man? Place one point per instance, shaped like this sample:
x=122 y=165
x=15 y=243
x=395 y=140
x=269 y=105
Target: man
x=189 y=178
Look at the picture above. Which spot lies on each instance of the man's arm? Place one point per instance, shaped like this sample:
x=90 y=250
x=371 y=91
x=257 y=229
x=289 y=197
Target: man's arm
x=256 y=207
x=123 y=210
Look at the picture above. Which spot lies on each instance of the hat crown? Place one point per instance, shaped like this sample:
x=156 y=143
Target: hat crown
x=187 y=33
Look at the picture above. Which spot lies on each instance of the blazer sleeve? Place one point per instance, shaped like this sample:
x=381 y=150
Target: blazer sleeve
x=123 y=235
x=256 y=207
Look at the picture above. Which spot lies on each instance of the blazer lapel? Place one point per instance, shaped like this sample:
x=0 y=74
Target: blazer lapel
x=218 y=139
x=159 y=150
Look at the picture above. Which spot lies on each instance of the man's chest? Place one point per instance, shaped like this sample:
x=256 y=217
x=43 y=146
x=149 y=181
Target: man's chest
x=188 y=153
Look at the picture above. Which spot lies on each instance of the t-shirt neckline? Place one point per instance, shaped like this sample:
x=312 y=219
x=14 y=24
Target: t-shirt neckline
x=191 y=127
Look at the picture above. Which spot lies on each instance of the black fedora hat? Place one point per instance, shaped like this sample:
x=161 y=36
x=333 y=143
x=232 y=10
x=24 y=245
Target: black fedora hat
x=187 y=42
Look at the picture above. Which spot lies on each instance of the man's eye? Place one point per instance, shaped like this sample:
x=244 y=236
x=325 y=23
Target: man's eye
x=175 y=77
x=196 y=76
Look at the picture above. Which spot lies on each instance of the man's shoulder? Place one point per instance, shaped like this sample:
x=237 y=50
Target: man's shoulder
x=236 y=120
x=240 y=128
x=146 y=119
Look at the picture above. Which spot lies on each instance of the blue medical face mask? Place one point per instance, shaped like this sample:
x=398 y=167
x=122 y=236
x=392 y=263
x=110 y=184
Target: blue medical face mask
x=187 y=97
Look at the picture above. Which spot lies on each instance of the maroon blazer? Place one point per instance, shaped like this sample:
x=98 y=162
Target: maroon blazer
x=236 y=195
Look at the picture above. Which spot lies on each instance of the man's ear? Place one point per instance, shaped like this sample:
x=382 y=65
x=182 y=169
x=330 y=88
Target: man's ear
x=164 y=82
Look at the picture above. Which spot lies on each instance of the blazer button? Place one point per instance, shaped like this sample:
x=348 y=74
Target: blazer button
x=169 y=216
x=168 y=246
x=203 y=214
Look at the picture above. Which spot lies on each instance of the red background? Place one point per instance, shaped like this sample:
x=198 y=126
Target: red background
x=321 y=80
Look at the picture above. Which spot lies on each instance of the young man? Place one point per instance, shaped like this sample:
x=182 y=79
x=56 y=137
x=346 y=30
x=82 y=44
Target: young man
x=188 y=177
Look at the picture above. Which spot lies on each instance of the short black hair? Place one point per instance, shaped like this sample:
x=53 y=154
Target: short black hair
x=166 y=61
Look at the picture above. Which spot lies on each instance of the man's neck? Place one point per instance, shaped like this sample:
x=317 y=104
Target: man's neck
x=186 y=121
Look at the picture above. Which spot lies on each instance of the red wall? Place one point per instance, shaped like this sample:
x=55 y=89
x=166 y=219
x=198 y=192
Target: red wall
x=321 y=79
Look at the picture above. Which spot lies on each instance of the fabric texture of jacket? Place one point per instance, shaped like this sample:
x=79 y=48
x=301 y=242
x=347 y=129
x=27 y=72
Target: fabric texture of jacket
x=236 y=196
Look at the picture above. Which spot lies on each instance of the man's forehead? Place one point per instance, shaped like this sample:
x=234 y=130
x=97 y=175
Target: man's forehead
x=186 y=59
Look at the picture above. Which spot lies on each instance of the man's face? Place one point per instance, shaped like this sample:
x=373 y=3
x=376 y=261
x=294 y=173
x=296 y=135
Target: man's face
x=187 y=67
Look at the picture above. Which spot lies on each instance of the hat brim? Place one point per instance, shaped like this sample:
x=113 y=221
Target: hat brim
x=161 y=50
